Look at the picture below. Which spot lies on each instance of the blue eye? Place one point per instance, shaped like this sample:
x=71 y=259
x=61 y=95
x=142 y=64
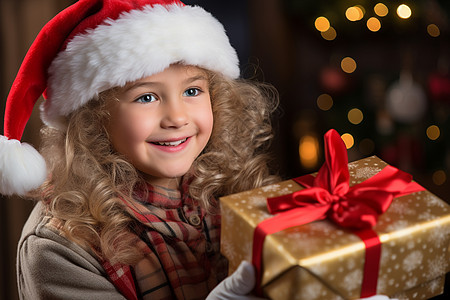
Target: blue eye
x=192 y=92
x=147 y=98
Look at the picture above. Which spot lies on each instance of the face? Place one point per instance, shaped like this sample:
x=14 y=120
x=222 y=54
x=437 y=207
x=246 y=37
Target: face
x=161 y=123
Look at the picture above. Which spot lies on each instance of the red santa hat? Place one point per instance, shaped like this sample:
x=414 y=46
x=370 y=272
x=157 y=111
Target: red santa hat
x=95 y=45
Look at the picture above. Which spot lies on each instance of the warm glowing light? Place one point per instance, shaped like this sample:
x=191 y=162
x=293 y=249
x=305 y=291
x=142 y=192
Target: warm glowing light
x=373 y=24
x=355 y=116
x=362 y=9
x=322 y=24
x=381 y=10
x=433 y=30
x=354 y=13
x=366 y=146
x=330 y=34
x=439 y=177
x=324 y=102
x=309 y=151
x=433 y=132
x=348 y=139
x=403 y=11
x=348 y=65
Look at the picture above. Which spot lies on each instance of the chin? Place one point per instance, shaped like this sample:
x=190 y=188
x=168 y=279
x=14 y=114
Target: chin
x=169 y=175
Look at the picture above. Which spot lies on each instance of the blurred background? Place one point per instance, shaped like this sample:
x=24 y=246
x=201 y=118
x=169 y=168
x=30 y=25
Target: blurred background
x=376 y=71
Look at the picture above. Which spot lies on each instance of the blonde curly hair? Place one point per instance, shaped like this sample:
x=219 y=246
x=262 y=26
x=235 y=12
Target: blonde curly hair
x=89 y=180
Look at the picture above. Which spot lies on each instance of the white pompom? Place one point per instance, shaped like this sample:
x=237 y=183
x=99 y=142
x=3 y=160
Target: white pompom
x=22 y=168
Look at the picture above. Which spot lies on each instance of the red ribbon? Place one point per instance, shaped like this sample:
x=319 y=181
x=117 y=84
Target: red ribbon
x=328 y=195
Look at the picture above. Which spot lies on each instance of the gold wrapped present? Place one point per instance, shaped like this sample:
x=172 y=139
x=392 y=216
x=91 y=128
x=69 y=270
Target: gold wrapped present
x=321 y=260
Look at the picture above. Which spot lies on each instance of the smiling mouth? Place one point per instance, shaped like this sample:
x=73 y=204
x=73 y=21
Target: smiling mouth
x=170 y=144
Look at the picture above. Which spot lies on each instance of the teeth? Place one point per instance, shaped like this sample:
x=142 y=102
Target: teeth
x=173 y=144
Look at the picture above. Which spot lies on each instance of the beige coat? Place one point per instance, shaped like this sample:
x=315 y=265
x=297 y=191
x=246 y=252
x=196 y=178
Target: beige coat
x=51 y=267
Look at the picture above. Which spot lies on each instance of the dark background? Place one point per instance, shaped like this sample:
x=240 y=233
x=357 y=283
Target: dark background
x=277 y=42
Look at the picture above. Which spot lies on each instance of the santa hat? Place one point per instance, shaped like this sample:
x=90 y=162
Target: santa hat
x=95 y=45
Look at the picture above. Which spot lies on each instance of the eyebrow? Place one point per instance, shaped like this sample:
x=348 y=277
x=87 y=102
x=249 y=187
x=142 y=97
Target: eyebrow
x=189 y=80
x=195 y=78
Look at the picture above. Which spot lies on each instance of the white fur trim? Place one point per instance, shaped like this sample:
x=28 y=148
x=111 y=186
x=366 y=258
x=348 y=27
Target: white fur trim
x=139 y=43
x=22 y=168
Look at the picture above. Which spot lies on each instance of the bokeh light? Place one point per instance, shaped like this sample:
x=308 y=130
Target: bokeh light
x=322 y=24
x=348 y=139
x=433 y=132
x=403 y=11
x=381 y=10
x=363 y=10
x=373 y=24
x=325 y=102
x=433 y=30
x=330 y=34
x=309 y=151
x=439 y=177
x=348 y=65
x=355 y=116
x=354 y=13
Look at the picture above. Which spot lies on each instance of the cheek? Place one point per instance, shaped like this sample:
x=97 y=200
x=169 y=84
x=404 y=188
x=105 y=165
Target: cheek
x=128 y=129
x=206 y=121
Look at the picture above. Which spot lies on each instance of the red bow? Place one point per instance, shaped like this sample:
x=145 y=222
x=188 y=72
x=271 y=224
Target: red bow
x=328 y=195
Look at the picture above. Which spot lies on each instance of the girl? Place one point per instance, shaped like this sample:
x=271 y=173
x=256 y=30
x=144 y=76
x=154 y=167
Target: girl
x=147 y=124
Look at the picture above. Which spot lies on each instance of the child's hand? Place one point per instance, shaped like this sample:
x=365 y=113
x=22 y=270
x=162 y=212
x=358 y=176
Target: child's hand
x=239 y=284
x=236 y=286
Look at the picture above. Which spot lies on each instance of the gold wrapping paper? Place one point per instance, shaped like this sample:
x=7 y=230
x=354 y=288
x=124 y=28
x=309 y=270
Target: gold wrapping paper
x=322 y=261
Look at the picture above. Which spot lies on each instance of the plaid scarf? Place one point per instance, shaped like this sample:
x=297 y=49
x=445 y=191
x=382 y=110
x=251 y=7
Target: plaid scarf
x=181 y=247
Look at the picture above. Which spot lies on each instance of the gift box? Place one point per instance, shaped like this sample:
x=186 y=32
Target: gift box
x=323 y=260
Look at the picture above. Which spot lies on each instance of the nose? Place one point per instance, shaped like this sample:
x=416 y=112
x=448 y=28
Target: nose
x=175 y=114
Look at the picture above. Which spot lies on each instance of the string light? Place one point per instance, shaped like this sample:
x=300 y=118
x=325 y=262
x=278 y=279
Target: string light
x=362 y=10
x=308 y=150
x=373 y=24
x=355 y=116
x=348 y=65
x=403 y=11
x=433 y=132
x=325 y=102
x=439 y=177
x=433 y=30
x=348 y=139
x=381 y=10
x=322 y=24
x=329 y=35
x=354 y=13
